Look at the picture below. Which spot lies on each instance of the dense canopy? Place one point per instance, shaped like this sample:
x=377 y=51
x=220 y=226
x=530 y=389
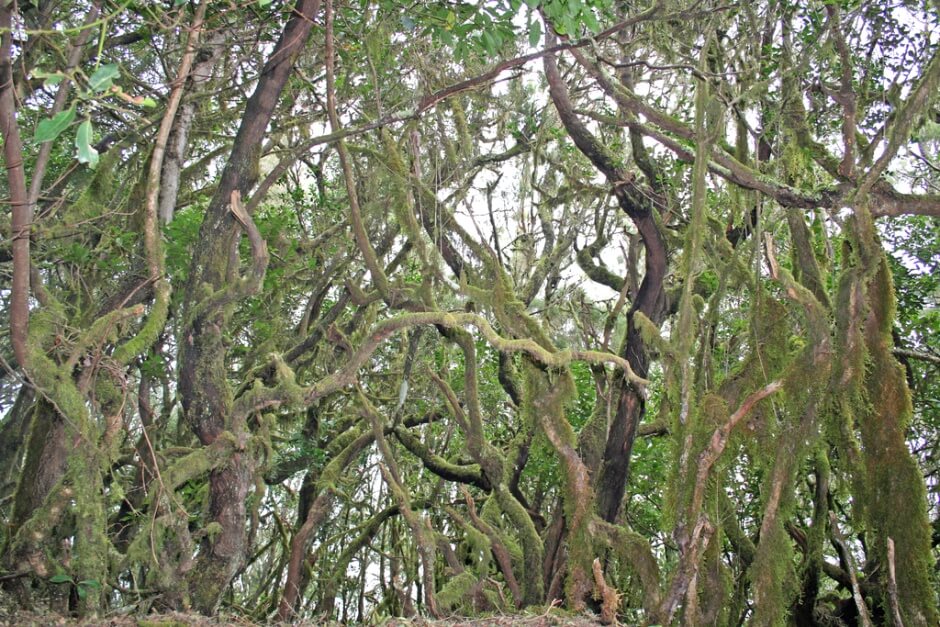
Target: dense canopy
x=348 y=310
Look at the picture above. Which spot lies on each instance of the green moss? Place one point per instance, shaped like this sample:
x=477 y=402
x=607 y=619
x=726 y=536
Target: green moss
x=287 y=382
x=530 y=578
x=816 y=534
x=806 y=394
x=460 y=121
x=329 y=476
x=716 y=585
x=108 y=395
x=212 y=530
x=714 y=410
x=456 y=592
x=545 y=395
x=150 y=330
x=650 y=333
x=890 y=497
x=199 y=462
x=773 y=573
x=896 y=498
x=636 y=558
x=148 y=545
x=82 y=484
x=773 y=577
x=401 y=197
x=52 y=379
x=593 y=436
x=90 y=555
x=95 y=196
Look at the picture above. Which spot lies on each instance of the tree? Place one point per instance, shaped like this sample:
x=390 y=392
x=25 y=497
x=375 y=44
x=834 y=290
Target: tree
x=357 y=309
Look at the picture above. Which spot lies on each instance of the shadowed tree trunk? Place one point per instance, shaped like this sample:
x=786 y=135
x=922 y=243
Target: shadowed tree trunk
x=650 y=300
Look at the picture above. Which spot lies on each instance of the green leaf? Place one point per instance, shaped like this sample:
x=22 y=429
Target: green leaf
x=60 y=578
x=263 y=3
x=82 y=592
x=590 y=21
x=103 y=76
x=535 y=33
x=50 y=78
x=49 y=129
x=571 y=27
x=90 y=583
x=86 y=152
x=148 y=102
x=489 y=42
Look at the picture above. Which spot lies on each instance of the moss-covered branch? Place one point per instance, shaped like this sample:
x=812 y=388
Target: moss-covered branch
x=469 y=474
x=261 y=398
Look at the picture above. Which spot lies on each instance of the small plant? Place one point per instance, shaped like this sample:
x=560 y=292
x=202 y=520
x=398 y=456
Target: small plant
x=82 y=587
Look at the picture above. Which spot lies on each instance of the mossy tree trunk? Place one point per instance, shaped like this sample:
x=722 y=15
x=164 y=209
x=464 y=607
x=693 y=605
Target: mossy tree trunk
x=214 y=287
x=894 y=499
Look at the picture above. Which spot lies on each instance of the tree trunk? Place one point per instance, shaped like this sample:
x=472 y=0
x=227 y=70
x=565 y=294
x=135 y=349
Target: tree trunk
x=204 y=390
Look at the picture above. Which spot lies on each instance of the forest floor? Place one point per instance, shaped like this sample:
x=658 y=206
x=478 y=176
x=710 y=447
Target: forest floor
x=21 y=619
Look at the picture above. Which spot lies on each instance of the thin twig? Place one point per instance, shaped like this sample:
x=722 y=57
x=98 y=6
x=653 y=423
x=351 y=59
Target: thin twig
x=893 y=587
x=846 y=554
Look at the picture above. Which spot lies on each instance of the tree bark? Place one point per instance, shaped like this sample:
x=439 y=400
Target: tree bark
x=650 y=300
x=204 y=391
x=19 y=199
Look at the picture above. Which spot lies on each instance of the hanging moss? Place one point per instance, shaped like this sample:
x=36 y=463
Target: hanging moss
x=715 y=410
x=532 y=551
x=650 y=333
x=773 y=573
x=806 y=394
x=456 y=593
x=773 y=577
x=769 y=354
x=478 y=546
x=492 y=514
x=463 y=129
x=716 y=584
x=636 y=559
x=873 y=399
x=80 y=489
x=593 y=436
x=96 y=194
x=545 y=394
x=161 y=546
x=402 y=200
x=151 y=329
x=90 y=556
x=896 y=500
